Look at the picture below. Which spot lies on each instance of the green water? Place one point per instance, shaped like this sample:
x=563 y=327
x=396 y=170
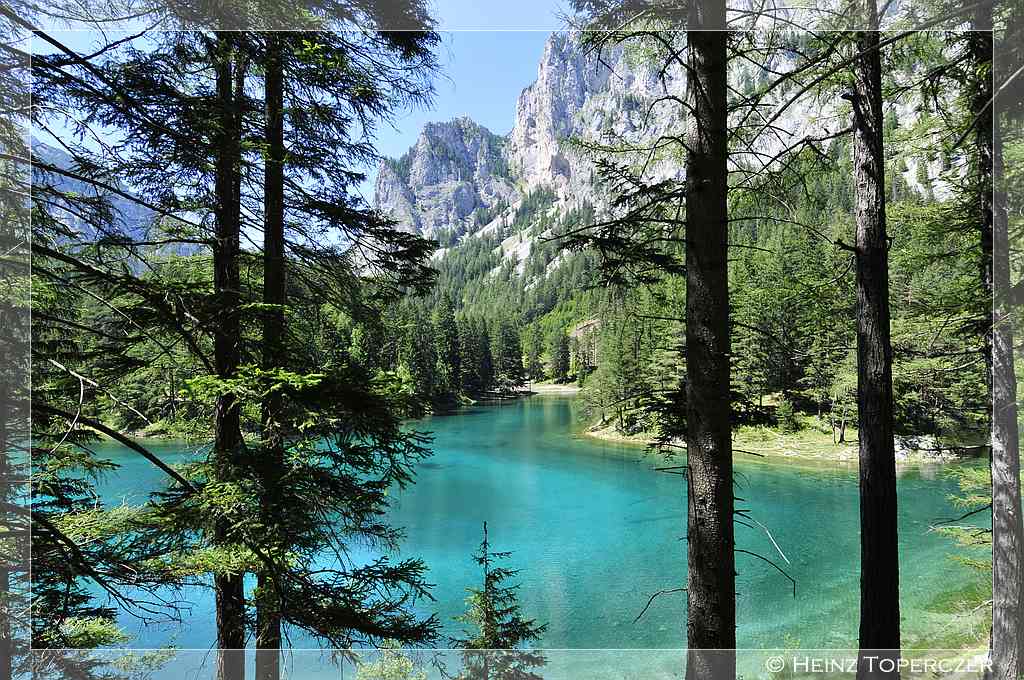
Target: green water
x=595 y=531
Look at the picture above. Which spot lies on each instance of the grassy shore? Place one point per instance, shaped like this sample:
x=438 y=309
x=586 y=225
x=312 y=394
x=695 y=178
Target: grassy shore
x=812 y=444
x=805 y=447
x=553 y=388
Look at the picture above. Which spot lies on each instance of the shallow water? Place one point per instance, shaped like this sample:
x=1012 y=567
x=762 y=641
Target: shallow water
x=595 y=531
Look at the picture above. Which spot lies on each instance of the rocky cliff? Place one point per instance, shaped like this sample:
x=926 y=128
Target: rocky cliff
x=460 y=177
x=584 y=96
x=456 y=171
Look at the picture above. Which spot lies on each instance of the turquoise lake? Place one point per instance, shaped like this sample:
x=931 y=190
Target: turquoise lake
x=595 y=530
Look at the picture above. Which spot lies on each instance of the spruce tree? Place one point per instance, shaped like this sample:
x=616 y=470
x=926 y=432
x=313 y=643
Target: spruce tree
x=230 y=518
x=559 y=351
x=493 y=648
x=1007 y=637
x=447 y=347
x=532 y=349
x=711 y=559
x=508 y=356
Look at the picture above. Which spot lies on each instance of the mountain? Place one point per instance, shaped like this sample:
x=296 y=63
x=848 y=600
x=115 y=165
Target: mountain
x=461 y=179
x=455 y=170
x=581 y=95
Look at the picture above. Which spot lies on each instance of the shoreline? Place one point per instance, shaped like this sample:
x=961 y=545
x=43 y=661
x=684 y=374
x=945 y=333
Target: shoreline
x=803 y=449
x=794 y=452
x=553 y=388
x=809 y=447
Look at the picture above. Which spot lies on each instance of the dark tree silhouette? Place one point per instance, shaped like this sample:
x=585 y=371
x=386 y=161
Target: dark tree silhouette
x=711 y=562
x=1007 y=639
x=268 y=615
x=879 y=555
x=228 y=443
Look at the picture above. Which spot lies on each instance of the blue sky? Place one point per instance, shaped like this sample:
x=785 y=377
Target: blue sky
x=483 y=73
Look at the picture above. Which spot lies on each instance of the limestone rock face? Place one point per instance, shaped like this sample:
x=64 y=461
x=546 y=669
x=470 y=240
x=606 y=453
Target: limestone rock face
x=454 y=172
x=546 y=112
x=580 y=96
x=393 y=196
x=459 y=175
x=461 y=180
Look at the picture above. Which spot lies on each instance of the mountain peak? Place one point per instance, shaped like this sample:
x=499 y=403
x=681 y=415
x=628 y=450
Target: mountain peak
x=459 y=170
x=455 y=169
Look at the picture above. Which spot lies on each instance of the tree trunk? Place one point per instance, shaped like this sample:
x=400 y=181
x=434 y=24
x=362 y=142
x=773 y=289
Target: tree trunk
x=711 y=577
x=1007 y=529
x=6 y=609
x=879 y=553
x=230 y=594
x=268 y=614
x=979 y=44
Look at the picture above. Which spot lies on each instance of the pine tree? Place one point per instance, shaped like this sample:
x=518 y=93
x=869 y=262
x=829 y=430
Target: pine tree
x=477 y=362
x=418 y=355
x=275 y=299
x=559 y=352
x=1007 y=637
x=493 y=648
x=230 y=70
x=508 y=356
x=367 y=346
x=342 y=426
x=15 y=354
x=532 y=349
x=711 y=560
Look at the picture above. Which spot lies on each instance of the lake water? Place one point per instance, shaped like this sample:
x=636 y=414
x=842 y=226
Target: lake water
x=595 y=530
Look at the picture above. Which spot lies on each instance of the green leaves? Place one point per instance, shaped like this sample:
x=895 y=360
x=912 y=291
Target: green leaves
x=389 y=663
x=100 y=524
x=197 y=564
x=252 y=384
x=91 y=632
